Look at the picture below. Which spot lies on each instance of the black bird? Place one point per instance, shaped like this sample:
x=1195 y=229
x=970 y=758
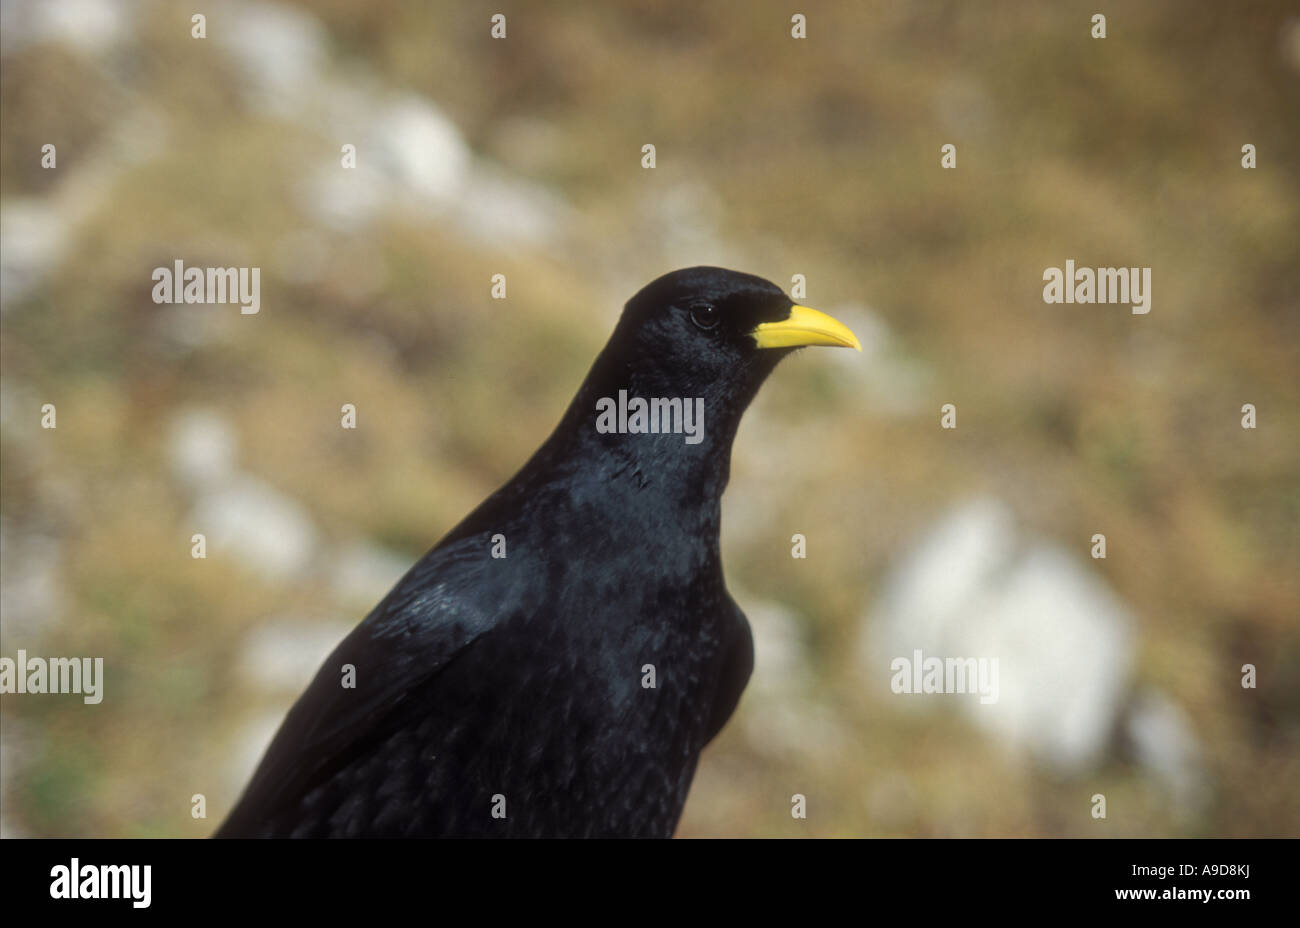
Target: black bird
x=512 y=695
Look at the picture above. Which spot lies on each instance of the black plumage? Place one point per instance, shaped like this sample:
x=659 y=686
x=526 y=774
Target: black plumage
x=505 y=696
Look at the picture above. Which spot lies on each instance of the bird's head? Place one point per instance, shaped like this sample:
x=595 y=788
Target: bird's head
x=707 y=331
x=688 y=355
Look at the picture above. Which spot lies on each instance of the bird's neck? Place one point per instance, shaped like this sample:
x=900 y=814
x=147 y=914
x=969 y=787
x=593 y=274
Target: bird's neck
x=632 y=431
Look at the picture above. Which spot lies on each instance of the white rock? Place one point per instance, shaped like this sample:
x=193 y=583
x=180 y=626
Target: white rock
x=498 y=208
x=201 y=448
x=421 y=150
x=283 y=655
x=783 y=718
x=363 y=572
x=87 y=25
x=251 y=743
x=32 y=240
x=344 y=199
x=278 y=661
x=974 y=588
x=281 y=52
x=262 y=527
x=889 y=383
x=780 y=659
x=683 y=220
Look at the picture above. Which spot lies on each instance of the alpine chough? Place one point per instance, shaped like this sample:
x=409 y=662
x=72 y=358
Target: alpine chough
x=554 y=665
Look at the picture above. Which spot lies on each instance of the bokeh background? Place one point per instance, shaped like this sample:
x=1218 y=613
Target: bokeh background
x=775 y=156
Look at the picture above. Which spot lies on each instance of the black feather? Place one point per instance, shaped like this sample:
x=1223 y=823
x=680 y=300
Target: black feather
x=521 y=677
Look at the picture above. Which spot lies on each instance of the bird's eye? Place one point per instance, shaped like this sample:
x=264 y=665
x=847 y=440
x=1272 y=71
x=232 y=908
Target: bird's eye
x=705 y=315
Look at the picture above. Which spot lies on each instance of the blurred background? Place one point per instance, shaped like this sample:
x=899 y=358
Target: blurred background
x=776 y=156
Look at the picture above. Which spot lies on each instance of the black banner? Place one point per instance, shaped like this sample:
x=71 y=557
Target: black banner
x=142 y=878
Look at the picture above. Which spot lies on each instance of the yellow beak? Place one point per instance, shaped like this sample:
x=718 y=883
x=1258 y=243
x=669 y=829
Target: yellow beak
x=805 y=326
